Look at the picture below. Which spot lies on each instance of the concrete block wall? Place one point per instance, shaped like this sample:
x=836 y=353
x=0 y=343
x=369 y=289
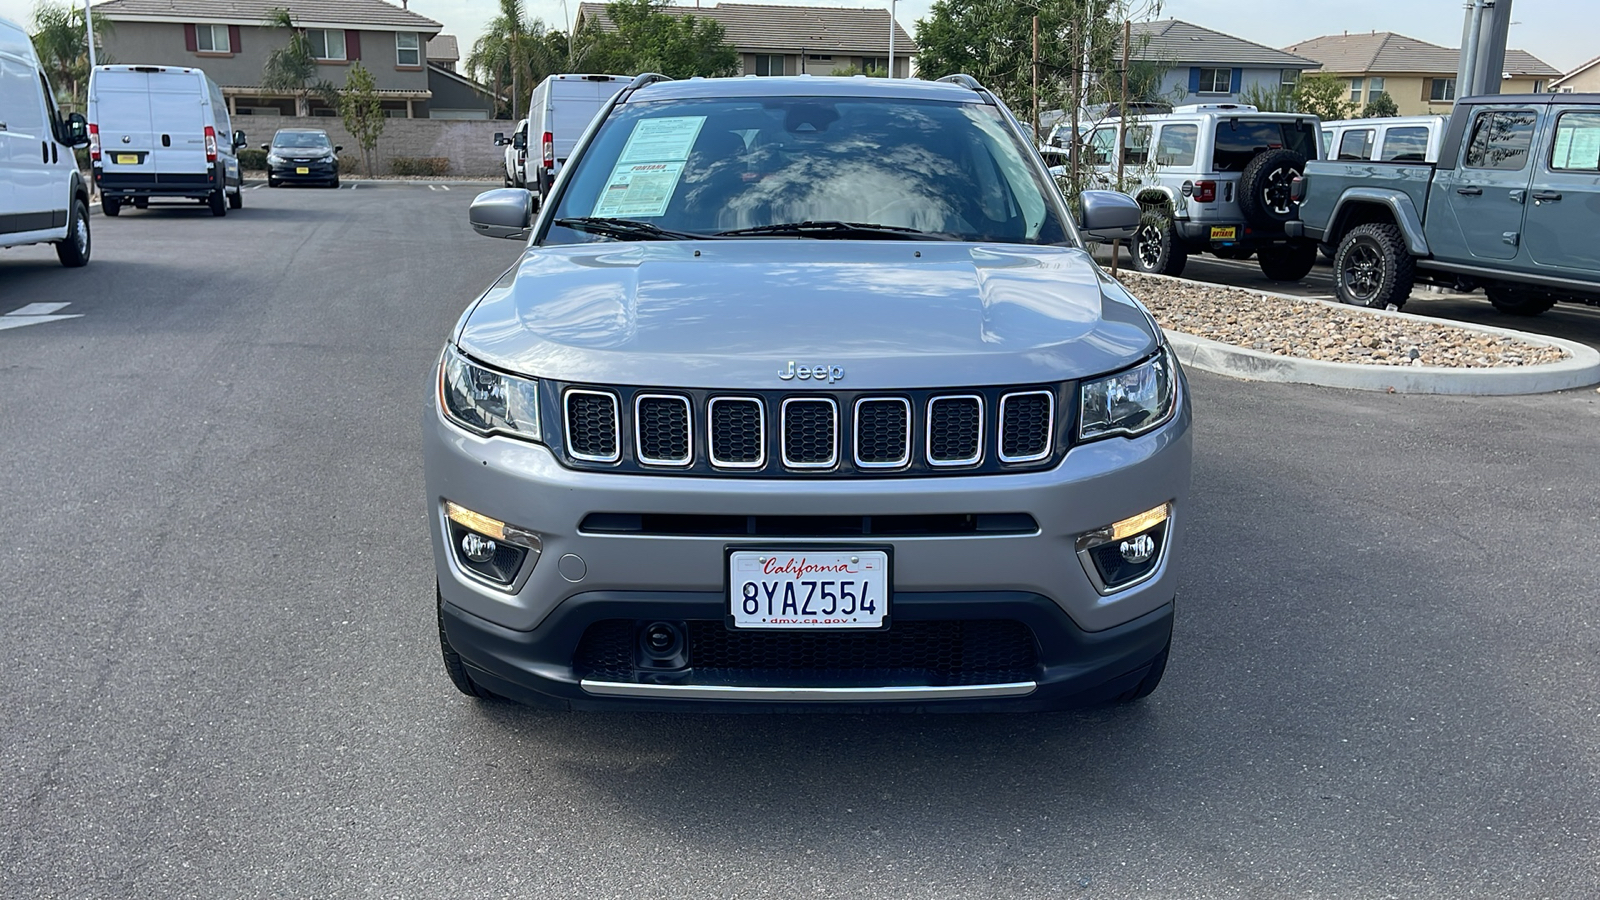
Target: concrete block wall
x=468 y=144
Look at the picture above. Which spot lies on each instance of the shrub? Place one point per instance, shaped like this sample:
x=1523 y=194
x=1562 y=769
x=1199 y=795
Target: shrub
x=347 y=164
x=424 y=166
x=253 y=160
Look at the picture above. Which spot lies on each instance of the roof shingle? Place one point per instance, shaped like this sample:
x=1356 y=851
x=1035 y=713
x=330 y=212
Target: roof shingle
x=1387 y=52
x=762 y=27
x=253 y=12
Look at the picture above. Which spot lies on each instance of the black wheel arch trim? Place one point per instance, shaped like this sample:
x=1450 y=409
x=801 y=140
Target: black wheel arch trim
x=1399 y=206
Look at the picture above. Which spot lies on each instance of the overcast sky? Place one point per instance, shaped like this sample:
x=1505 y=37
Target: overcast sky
x=1560 y=32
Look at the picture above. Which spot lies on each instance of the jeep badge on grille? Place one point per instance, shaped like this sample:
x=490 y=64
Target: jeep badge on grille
x=817 y=372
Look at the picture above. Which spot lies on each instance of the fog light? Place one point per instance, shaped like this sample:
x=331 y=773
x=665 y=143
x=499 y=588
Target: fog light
x=488 y=548
x=1125 y=553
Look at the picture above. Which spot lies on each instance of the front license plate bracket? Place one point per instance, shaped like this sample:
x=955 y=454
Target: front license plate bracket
x=826 y=588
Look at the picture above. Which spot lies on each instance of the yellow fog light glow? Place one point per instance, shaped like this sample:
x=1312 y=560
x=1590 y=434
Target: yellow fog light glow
x=1142 y=522
x=475 y=521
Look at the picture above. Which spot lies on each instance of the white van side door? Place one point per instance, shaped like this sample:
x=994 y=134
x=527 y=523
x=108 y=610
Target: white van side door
x=35 y=193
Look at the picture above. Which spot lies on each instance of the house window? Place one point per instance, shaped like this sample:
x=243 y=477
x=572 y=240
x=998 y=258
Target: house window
x=880 y=64
x=212 y=39
x=1500 y=140
x=1577 y=147
x=1216 y=81
x=1538 y=85
x=1442 y=90
x=326 y=43
x=826 y=57
x=769 y=65
x=407 y=50
x=1374 y=87
x=1290 y=77
x=1355 y=90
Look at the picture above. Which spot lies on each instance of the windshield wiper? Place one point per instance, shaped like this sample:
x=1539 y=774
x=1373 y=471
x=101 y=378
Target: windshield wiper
x=627 y=228
x=835 y=229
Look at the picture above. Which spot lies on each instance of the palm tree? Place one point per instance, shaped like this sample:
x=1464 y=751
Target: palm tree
x=58 y=36
x=292 y=68
x=513 y=48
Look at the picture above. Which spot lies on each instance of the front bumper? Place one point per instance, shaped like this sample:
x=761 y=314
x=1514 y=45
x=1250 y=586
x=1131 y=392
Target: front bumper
x=524 y=643
x=316 y=173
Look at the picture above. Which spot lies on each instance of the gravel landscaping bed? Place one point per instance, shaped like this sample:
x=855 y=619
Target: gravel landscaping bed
x=1301 y=328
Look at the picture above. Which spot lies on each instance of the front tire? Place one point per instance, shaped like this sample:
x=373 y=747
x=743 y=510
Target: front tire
x=218 y=204
x=73 y=250
x=453 y=665
x=334 y=183
x=1513 y=302
x=1155 y=247
x=1288 y=262
x=1374 y=268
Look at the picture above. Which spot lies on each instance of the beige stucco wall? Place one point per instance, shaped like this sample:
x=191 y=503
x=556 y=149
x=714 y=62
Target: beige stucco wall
x=1411 y=92
x=791 y=61
x=1586 y=83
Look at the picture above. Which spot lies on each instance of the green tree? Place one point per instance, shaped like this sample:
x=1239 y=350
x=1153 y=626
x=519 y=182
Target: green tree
x=1381 y=106
x=649 y=39
x=362 y=112
x=1323 y=95
x=63 y=47
x=292 y=68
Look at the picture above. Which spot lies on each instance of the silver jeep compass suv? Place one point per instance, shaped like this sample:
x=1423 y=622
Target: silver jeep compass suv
x=805 y=394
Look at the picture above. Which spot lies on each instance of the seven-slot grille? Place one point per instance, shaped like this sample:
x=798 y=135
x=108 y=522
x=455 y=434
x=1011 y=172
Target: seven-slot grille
x=983 y=430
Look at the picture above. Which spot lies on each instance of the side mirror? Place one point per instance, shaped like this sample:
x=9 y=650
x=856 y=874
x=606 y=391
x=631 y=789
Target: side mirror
x=1055 y=139
x=266 y=147
x=338 y=148
x=77 y=130
x=239 y=140
x=502 y=213
x=1108 y=215
x=500 y=139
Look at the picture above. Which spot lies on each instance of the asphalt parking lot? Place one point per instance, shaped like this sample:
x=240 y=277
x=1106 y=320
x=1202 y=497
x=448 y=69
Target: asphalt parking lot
x=223 y=677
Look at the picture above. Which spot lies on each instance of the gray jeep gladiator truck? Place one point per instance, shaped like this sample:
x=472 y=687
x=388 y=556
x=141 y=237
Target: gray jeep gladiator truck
x=1512 y=206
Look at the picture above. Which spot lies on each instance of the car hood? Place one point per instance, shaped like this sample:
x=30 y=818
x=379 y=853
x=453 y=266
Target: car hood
x=735 y=314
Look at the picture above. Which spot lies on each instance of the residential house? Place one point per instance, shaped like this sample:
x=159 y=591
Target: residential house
x=1199 y=65
x=794 y=40
x=1585 y=79
x=1419 y=77
x=455 y=96
x=444 y=52
x=231 y=41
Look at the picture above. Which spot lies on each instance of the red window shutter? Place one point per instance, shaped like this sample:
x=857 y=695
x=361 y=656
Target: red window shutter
x=190 y=41
x=233 y=38
x=352 y=45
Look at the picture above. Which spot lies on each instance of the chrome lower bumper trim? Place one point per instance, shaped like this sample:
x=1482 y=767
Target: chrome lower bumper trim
x=849 y=694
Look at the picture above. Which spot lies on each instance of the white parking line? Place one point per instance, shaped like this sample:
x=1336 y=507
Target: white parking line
x=34 y=314
x=432 y=188
x=444 y=187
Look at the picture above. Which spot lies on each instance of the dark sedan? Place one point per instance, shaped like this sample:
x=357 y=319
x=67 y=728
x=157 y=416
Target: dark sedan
x=302 y=156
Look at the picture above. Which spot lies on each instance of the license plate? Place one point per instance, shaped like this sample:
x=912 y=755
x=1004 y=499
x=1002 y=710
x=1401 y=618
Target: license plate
x=1221 y=233
x=808 y=589
x=127 y=159
x=301 y=170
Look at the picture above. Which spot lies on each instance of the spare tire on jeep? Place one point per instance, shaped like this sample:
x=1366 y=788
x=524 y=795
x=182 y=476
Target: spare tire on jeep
x=1264 y=187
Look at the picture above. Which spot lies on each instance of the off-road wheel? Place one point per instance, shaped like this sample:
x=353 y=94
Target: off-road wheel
x=1287 y=262
x=73 y=250
x=1152 y=678
x=218 y=203
x=1373 y=267
x=111 y=206
x=1155 y=246
x=1515 y=302
x=453 y=666
x=1264 y=188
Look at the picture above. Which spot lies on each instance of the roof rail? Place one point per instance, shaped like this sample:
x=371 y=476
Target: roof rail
x=639 y=82
x=963 y=79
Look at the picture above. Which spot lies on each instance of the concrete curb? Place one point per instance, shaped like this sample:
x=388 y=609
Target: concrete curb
x=1580 y=369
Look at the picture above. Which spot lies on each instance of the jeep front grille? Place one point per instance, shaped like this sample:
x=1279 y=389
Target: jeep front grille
x=813 y=434
x=592 y=425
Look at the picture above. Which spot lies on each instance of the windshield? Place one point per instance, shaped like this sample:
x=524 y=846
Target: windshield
x=949 y=169
x=301 y=140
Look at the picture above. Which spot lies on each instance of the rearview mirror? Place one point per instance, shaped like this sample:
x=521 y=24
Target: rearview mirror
x=502 y=213
x=1108 y=215
x=77 y=130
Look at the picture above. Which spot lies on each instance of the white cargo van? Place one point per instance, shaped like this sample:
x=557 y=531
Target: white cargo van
x=43 y=199
x=560 y=111
x=162 y=131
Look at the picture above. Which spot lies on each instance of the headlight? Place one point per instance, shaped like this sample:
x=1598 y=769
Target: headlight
x=1130 y=402
x=485 y=401
x=330 y=158
x=274 y=159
